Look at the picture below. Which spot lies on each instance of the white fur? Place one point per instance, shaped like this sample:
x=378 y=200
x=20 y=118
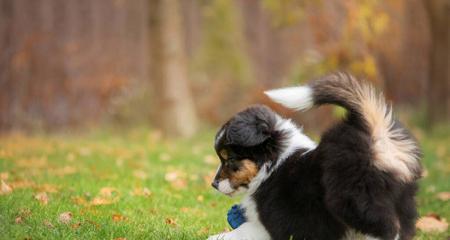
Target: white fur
x=225 y=187
x=299 y=98
x=219 y=136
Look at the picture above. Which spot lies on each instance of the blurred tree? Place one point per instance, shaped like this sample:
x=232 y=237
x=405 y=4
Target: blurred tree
x=221 y=61
x=439 y=83
x=174 y=108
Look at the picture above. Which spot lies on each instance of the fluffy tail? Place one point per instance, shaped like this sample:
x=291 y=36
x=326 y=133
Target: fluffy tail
x=394 y=150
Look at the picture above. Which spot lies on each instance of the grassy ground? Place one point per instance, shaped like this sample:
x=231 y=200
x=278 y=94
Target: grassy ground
x=137 y=186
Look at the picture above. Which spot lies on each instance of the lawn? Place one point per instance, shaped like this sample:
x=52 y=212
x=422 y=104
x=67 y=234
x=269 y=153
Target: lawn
x=136 y=185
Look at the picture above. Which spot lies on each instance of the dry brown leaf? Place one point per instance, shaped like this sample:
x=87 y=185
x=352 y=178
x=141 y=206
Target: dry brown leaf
x=76 y=225
x=118 y=217
x=171 y=222
x=184 y=209
x=19 y=220
x=141 y=192
x=208 y=178
x=108 y=192
x=432 y=223
x=42 y=197
x=47 y=188
x=140 y=174
x=444 y=196
x=48 y=224
x=179 y=184
x=22 y=184
x=4 y=175
x=203 y=230
x=34 y=162
x=120 y=238
x=5 y=188
x=67 y=170
x=84 y=151
x=171 y=176
x=79 y=201
x=102 y=201
x=65 y=217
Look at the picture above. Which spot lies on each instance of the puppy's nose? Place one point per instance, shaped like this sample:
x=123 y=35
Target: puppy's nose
x=215 y=184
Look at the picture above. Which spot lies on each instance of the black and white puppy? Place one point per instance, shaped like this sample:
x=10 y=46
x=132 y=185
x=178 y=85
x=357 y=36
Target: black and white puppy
x=359 y=182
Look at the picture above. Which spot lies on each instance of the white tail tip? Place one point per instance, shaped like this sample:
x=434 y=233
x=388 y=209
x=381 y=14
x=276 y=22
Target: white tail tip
x=298 y=98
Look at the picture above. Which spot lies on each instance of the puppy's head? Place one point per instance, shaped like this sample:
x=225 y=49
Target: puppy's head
x=244 y=145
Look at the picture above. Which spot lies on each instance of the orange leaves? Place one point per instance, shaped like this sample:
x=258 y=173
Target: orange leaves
x=65 y=217
x=432 y=223
x=42 y=197
x=5 y=188
x=177 y=179
x=171 y=222
x=443 y=196
x=141 y=192
x=107 y=196
x=118 y=217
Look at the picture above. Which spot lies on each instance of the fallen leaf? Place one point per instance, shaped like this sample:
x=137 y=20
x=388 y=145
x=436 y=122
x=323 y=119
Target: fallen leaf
x=171 y=176
x=102 y=201
x=108 y=192
x=5 y=188
x=67 y=170
x=22 y=184
x=65 y=217
x=76 y=225
x=120 y=238
x=140 y=174
x=444 y=196
x=47 y=188
x=171 y=222
x=118 y=217
x=432 y=223
x=19 y=220
x=4 y=175
x=48 y=224
x=42 y=197
x=34 y=162
x=84 y=151
x=203 y=230
x=200 y=198
x=141 y=192
x=79 y=200
x=184 y=209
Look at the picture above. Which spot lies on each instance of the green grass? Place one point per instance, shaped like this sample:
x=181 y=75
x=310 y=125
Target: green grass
x=73 y=170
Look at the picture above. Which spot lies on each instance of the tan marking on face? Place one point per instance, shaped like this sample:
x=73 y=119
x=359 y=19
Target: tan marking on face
x=245 y=174
x=224 y=154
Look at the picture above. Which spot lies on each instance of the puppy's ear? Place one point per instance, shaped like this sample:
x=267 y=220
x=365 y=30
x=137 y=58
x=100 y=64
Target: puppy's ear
x=251 y=127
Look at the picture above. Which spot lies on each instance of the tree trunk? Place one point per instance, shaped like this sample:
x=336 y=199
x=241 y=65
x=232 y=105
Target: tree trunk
x=175 y=108
x=439 y=82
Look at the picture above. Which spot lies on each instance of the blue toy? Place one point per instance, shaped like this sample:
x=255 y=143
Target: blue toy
x=235 y=216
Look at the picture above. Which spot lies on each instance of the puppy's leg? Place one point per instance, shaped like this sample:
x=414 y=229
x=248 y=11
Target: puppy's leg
x=247 y=231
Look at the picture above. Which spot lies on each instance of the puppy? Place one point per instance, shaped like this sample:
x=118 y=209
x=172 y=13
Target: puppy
x=359 y=182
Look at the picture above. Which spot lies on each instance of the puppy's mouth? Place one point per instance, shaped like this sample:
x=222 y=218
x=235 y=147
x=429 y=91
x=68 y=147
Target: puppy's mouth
x=225 y=187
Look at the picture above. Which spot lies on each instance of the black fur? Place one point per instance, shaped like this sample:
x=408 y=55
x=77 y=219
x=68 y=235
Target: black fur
x=323 y=193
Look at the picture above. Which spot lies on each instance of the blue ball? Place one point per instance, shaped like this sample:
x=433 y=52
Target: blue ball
x=235 y=216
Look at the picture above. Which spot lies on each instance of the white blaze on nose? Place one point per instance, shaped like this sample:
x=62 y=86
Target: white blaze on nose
x=225 y=187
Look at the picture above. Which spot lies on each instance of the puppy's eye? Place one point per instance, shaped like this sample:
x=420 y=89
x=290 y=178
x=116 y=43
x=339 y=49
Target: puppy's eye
x=223 y=153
